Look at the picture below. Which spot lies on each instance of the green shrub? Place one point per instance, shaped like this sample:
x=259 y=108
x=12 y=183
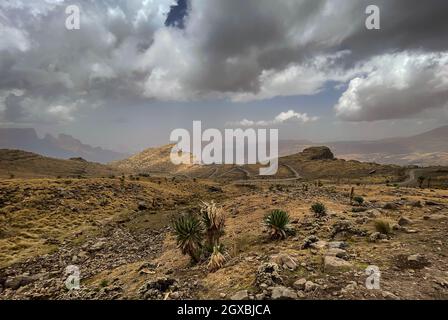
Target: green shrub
x=277 y=222
x=189 y=234
x=319 y=209
x=359 y=200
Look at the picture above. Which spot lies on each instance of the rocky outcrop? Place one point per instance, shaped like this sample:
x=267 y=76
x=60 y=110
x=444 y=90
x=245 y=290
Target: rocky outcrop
x=317 y=153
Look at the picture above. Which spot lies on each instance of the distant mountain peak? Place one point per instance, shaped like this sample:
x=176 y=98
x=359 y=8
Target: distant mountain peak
x=63 y=146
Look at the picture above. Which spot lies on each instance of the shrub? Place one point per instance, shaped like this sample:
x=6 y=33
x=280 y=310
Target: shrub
x=359 y=200
x=383 y=226
x=278 y=224
x=214 y=220
x=217 y=259
x=319 y=209
x=104 y=283
x=189 y=235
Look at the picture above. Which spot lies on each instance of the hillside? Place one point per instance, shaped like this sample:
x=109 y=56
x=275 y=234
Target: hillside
x=426 y=149
x=22 y=164
x=311 y=163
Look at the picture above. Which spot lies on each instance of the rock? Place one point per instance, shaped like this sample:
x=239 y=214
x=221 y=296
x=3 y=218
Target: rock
x=389 y=295
x=338 y=244
x=374 y=213
x=222 y=295
x=404 y=221
x=310 y=286
x=285 y=261
x=283 y=293
x=317 y=153
x=268 y=274
x=174 y=295
x=416 y=258
x=336 y=252
x=97 y=246
x=240 y=295
x=335 y=264
x=299 y=284
x=19 y=281
x=416 y=204
x=142 y=206
x=319 y=245
x=436 y=217
x=260 y=296
x=391 y=206
x=155 y=289
x=309 y=241
x=375 y=236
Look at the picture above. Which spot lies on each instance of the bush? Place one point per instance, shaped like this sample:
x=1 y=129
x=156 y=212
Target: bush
x=189 y=234
x=217 y=259
x=214 y=221
x=383 y=226
x=319 y=209
x=359 y=200
x=278 y=224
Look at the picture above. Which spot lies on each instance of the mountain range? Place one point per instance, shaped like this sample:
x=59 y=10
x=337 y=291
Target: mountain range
x=426 y=149
x=63 y=146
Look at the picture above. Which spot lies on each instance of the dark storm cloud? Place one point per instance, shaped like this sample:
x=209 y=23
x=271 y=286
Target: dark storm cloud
x=242 y=50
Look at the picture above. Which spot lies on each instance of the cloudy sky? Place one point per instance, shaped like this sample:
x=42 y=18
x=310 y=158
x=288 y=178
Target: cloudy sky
x=137 y=69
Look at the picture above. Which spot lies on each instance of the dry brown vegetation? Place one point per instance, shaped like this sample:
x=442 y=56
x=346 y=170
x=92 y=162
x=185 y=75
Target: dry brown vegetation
x=117 y=231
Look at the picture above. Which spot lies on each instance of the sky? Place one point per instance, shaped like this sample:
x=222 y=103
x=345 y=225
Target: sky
x=138 y=69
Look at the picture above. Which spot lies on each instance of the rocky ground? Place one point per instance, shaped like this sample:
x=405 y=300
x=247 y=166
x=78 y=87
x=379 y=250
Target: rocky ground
x=117 y=233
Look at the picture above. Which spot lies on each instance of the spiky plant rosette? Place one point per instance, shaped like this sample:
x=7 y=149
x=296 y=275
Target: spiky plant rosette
x=189 y=234
x=277 y=222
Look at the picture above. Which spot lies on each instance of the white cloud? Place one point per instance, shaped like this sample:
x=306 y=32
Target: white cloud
x=395 y=86
x=282 y=118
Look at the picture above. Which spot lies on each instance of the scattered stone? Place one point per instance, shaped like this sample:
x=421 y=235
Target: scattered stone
x=309 y=241
x=376 y=236
x=416 y=204
x=285 y=261
x=142 y=206
x=335 y=264
x=19 y=281
x=268 y=274
x=338 y=244
x=299 y=284
x=431 y=203
x=336 y=252
x=283 y=293
x=404 y=221
x=374 y=213
x=391 y=206
x=240 y=295
x=319 y=245
x=311 y=286
x=97 y=246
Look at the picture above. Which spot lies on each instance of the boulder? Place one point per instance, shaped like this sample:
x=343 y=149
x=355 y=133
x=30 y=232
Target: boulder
x=404 y=221
x=283 y=293
x=284 y=261
x=300 y=284
x=332 y=264
x=240 y=295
